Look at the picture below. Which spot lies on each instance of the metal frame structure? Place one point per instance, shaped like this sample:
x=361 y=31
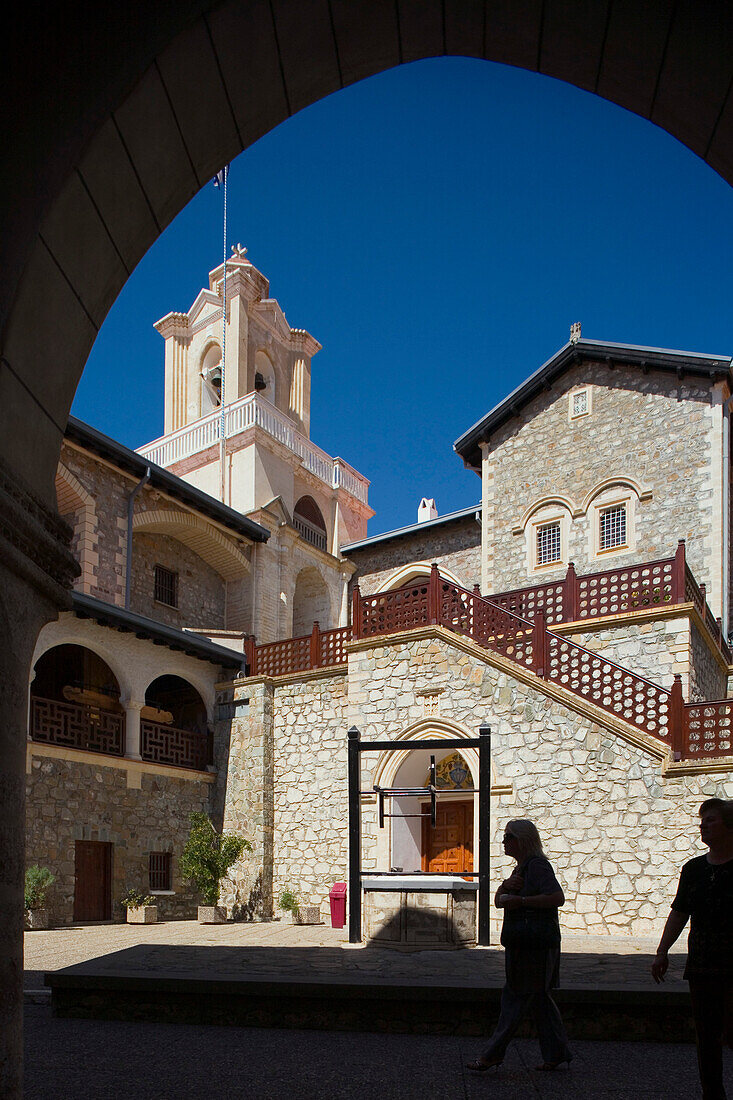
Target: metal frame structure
x=355 y=748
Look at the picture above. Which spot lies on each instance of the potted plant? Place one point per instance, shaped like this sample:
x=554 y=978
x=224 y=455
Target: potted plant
x=299 y=914
x=141 y=908
x=37 y=881
x=205 y=860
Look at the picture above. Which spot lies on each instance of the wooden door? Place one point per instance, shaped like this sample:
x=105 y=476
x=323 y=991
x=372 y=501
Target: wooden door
x=448 y=847
x=93 y=881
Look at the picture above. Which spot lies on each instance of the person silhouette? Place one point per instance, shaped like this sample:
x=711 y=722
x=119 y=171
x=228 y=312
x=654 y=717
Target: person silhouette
x=705 y=894
x=530 y=898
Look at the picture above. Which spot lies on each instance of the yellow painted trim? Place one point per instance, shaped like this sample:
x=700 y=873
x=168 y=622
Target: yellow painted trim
x=708 y=766
x=291 y=677
x=121 y=763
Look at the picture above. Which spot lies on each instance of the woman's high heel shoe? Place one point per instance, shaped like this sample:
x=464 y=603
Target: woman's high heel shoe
x=480 y=1067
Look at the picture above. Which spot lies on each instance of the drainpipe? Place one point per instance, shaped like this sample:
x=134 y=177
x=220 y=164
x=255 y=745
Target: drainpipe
x=130 y=509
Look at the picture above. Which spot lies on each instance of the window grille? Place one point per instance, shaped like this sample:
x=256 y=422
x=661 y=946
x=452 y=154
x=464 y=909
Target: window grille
x=613 y=527
x=166 y=586
x=580 y=403
x=548 y=543
x=159 y=871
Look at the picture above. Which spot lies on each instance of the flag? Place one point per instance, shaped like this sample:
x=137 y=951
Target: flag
x=220 y=177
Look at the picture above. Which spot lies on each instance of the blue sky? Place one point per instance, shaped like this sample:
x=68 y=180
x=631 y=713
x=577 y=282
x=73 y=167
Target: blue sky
x=438 y=228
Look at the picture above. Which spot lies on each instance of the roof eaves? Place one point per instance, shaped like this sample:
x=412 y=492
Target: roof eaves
x=106 y=447
x=413 y=528
x=649 y=358
x=118 y=618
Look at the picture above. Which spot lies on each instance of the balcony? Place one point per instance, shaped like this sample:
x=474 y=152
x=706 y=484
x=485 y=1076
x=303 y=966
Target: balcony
x=95 y=730
x=254 y=411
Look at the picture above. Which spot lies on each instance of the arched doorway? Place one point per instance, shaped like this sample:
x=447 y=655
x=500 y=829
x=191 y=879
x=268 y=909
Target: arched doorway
x=450 y=846
x=309 y=523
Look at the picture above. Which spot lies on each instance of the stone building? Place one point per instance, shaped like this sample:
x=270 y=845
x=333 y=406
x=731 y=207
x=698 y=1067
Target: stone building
x=232 y=620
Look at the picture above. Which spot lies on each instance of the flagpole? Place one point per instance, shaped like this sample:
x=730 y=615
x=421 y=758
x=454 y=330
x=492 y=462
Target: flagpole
x=222 y=417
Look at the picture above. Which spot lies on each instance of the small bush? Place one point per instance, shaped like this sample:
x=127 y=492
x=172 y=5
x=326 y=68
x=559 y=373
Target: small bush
x=289 y=900
x=37 y=881
x=208 y=855
x=134 y=899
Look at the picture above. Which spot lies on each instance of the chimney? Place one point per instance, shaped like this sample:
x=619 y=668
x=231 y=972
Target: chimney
x=427 y=510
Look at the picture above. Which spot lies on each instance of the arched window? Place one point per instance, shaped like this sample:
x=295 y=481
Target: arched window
x=311 y=602
x=309 y=523
x=211 y=380
x=172 y=701
x=265 y=377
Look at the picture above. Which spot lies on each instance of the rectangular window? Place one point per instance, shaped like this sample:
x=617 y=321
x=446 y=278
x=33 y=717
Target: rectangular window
x=159 y=871
x=166 y=586
x=613 y=527
x=548 y=543
x=580 y=403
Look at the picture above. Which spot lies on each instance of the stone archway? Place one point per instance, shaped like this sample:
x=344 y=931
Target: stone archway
x=149 y=101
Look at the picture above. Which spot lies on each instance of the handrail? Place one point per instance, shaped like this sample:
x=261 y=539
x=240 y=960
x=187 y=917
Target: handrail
x=249 y=411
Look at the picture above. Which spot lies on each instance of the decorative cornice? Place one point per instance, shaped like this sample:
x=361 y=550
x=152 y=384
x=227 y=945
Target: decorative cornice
x=34 y=541
x=300 y=340
x=293 y=677
x=173 y=324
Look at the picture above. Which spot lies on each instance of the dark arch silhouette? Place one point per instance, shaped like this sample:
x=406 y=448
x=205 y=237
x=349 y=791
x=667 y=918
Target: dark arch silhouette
x=114 y=116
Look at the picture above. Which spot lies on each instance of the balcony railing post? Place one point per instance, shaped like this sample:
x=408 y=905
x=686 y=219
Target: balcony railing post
x=679 y=574
x=676 y=718
x=315 y=647
x=356 y=612
x=570 y=595
x=434 y=595
x=539 y=636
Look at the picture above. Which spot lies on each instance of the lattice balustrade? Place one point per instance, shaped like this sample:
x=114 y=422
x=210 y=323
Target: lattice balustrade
x=332 y=644
x=631 y=589
x=162 y=744
x=526 y=602
x=391 y=612
x=501 y=631
x=615 y=689
x=707 y=729
x=77 y=726
x=281 y=658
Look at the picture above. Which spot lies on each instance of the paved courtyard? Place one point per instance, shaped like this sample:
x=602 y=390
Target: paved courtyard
x=291 y=951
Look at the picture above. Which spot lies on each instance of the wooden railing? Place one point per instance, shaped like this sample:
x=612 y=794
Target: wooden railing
x=180 y=748
x=319 y=649
x=691 y=730
x=77 y=726
x=616 y=591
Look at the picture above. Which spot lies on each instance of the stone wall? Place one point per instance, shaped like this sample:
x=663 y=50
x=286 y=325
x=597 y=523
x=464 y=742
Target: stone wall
x=616 y=830
x=655 y=650
x=708 y=678
x=654 y=429
x=455 y=546
x=69 y=801
x=243 y=797
x=310 y=848
x=615 y=827
x=201 y=590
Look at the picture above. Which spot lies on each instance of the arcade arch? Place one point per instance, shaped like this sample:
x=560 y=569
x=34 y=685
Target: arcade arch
x=174 y=95
x=311 y=602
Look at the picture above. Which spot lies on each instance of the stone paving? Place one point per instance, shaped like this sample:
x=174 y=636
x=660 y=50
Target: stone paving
x=280 y=949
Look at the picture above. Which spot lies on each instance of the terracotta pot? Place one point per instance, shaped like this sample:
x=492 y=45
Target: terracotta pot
x=143 y=914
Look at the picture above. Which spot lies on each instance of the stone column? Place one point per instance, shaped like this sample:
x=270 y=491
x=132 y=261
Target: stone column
x=132 y=727
x=36 y=572
x=486 y=549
